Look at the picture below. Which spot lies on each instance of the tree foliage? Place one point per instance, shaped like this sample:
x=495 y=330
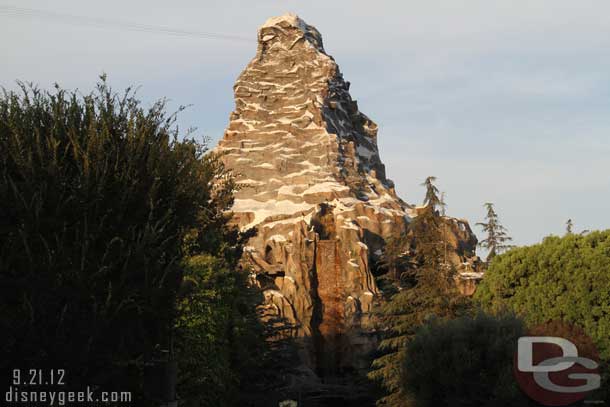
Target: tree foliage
x=497 y=237
x=219 y=339
x=395 y=257
x=102 y=209
x=430 y=293
x=465 y=362
x=432 y=198
x=562 y=278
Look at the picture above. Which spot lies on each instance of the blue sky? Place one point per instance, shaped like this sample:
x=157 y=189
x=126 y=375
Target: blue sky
x=503 y=101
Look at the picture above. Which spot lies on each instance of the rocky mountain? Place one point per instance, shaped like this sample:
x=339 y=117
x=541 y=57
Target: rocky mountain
x=314 y=187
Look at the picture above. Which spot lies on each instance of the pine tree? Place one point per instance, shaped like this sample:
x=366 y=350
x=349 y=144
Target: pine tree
x=569 y=226
x=497 y=236
x=432 y=198
x=433 y=295
x=395 y=256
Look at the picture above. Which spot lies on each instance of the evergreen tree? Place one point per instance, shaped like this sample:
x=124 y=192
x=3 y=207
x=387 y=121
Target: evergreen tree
x=395 y=257
x=432 y=198
x=433 y=294
x=569 y=226
x=497 y=236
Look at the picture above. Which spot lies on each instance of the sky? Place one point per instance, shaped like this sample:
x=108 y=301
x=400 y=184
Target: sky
x=504 y=101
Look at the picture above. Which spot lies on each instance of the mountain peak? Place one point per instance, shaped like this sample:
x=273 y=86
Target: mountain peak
x=285 y=32
x=314 y=187
x=287 y=19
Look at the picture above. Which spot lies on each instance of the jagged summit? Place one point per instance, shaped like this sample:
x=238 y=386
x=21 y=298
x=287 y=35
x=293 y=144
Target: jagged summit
x=284 y=21
x=296 y=137
x=285 y=31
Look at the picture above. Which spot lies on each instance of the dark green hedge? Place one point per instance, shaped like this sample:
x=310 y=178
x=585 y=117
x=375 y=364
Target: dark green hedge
x=563 y=278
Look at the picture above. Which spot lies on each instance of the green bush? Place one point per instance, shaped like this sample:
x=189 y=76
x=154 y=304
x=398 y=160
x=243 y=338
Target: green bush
x=464 y=362
x=219 y=339
x=97 y=195
x=563 y=278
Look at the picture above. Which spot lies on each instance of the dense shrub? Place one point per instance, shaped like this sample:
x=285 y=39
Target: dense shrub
x=563 y=278
x=464 y=362
x=97 y=195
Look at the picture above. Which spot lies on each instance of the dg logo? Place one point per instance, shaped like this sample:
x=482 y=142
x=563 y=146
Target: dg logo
x=559 y=369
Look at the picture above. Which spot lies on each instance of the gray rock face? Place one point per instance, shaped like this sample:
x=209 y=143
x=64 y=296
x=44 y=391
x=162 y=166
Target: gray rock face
x=316 y=190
